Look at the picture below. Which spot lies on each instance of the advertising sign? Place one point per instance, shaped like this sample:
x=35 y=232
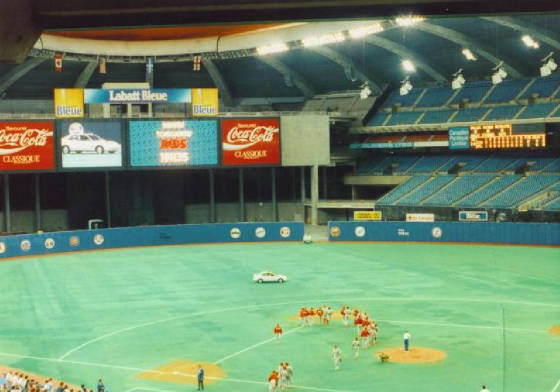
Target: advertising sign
x=459 y=138
x=367 y=215
x=173 y=143
x=420 y=217
x=473 y=216
x=204 y=102
x=139 y=95
x=26 y=145
x=251 y=141
x=68 y=102
x=90 y=143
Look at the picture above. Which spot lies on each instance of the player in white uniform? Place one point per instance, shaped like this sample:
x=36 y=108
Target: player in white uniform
x=346 y=315
x=356 y=347
x=336 y=356
x=328 y=314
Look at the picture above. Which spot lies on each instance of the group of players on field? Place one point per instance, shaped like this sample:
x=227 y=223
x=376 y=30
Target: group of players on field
x=365 y=331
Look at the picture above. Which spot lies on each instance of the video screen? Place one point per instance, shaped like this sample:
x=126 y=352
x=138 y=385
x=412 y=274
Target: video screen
x=161 y=143
x=85 y=144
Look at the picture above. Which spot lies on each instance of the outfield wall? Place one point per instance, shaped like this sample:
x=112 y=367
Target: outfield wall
x=482 y=232
x=124 y=237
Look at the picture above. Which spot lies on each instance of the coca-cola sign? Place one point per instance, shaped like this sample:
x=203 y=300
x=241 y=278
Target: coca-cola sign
x=251 y=141
x=26 y=145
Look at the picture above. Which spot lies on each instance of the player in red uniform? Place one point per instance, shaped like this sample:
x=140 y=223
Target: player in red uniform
x=320 y=314
x=358 y=321
x=278 y=331
x=272 y=381
x=311 y=313
x=365 y=337
x=303 y=316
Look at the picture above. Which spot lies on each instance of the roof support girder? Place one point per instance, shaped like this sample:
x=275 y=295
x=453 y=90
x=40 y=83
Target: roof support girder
x=405 y=53
x=219 y=81
x=467 y=42
x=290 y=76
x=14 y=74
x=85 y=75
x=545 y=36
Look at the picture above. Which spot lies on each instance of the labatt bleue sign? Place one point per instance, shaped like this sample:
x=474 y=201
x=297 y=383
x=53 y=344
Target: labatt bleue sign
x=26 y=145
x=251 y=141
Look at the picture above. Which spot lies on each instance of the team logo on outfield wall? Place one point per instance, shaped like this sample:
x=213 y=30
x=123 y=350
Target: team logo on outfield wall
x=360 y=231
x=49 y=243
x=74 y=241
x=260 y=232
x=98 y=239
x=2 y=247
x=436 y=232
x=25 y=245
x=335 y=231
x=235 y=233
x=285 y=232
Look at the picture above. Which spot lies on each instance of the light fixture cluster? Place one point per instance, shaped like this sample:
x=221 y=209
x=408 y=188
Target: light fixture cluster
x=407 y=21
x=548 y=65
x=323 y=39
x=408 y=66
x=361 y=32
x=406 y=86
x=468 y=54
x=499 y=74
x=530 y=42
x=365 y=91
x=458 y=80
x=272 y=48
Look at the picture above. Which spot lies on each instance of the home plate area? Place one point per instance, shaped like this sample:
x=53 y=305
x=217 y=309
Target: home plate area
x=184 y=371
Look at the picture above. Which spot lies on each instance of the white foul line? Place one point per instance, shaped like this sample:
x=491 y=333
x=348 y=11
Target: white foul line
x=254 y=346
x=135 y=369
x=556 y=386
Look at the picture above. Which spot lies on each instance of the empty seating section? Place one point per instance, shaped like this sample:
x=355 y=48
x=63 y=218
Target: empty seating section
x=401 y=163
x=435 y=97
x=462 y=186
x=404 y=100
x=403 y=189
x=553 y=167
x=426 y=189
x=378 y=119
x=436 y=116
x=553 y=193
x=488 y=191
x=428 y=164
x=539 y=164
x=503 y=112
x=543 y=87
x=405 y=118
x=507 y=91
x=469 y=115
x=495 y=164
x=554 y=206
x=370 y=165
x=473 y=91
x=538 y=110
x=469 y=161
x=522 y=190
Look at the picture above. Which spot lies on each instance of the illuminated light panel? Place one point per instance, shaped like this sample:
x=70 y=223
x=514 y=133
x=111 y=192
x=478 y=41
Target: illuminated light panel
x=407 y=21
x=323 y=40
x=468 y=54
x=496 y=136
x=408 y=66
x=530 y=42
x=361 y=32
x=272 y=48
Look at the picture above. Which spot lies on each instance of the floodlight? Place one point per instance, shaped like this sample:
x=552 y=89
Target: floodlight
x=458 y=80
x=408 y=66
x=530 y=42
x=323 y=39
x=272 y=48
x=406 y=87
x=407 y=21
x=468 y=54
x=366 y=30
x=548 y=65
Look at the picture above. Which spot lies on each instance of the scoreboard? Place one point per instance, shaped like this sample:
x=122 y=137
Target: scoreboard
x=494 y=137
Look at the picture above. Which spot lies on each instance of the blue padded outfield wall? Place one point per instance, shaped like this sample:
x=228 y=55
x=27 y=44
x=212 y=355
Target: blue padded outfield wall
x=483 y=232
x=71 y=241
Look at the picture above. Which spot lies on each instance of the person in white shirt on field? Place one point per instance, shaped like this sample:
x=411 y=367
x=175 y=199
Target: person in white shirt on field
x=484 y=389
x=336 y=356
x=406 y=340
x=356 y=347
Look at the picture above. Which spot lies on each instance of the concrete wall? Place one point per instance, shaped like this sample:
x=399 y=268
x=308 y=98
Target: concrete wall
x=24 y=221
x=254 y=212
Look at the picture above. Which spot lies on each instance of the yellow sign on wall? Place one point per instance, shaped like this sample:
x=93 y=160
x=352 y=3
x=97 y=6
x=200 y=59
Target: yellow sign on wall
x=68 y=102
x=368 y=215
x=204 y=102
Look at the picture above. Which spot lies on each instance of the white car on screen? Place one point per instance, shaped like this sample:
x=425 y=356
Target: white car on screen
x=267 y=276
x=88 y=142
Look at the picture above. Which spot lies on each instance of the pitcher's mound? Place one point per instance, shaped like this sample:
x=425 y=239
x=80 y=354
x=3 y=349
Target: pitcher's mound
x=185 y=372
x=414 y=355
x=555 y=330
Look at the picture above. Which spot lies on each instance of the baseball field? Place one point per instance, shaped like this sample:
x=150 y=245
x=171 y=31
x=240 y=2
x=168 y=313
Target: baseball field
x=143 y=319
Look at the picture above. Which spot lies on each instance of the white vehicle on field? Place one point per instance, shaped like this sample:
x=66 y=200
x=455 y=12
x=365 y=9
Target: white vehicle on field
x=88 y=142
x=267 y=276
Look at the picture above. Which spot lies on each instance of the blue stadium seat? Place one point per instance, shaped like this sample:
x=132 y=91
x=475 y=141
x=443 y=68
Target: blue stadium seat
x=507 y=90
x=436 y=116
x=462 y=186
x=476 y=198
x=378 y=119
x=435 y=97
x=469 y=115
x=473 y=91
x=428 y=163
x=538 y=110
x=471 y=161
x=503 y=112
x=494 y=165
x=426 y=189
x=404 y=118
x=544 y=87
x=522 y=190
x=554 y=206
x=404 y=100
x=402 y=189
